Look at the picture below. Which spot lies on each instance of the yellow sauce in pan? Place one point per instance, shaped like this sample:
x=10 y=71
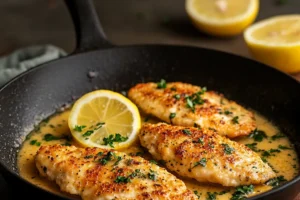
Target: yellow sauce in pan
x=285 y=162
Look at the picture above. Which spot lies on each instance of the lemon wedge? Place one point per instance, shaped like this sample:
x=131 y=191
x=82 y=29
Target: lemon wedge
x=104 y=119
x=276 y=42
x=222 y=17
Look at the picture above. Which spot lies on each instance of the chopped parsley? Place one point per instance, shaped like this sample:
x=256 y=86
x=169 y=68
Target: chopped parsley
x=153 y=161
x=106 y=158
x=88 y=156
x=172 y=115
x=274 y=182
x=258 y=135
x=227 y=112
x=211 y=196
x=114 y=138
x=49 y=137
x=99 y=125
x=252 y=146
x=119 y=158
x=227 y=149
x=122 y=179
x=187 y=131
x=201 y=140
x=267 y=153
x=235 y=120
x=88 y=133
x=202 y=162
x=67 y=144
x=241 y=192
x=100 y=153
x=195 y=99
x=283 y=147
x=278 y=136
x=152 y=175
x=197 y=194
x=177 y=96
x=162 y=84
x=35 y=142
x=79 y=128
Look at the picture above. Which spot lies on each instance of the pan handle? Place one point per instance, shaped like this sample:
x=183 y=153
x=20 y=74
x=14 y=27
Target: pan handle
x=89 y=33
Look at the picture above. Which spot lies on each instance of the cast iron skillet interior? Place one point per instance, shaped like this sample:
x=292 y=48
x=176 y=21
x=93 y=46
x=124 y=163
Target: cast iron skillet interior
x=39 y=92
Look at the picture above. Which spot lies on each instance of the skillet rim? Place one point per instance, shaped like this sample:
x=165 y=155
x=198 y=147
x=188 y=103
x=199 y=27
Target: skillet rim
x=70 y=56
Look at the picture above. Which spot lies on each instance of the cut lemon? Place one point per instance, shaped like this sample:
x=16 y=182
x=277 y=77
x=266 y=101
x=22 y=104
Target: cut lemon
x=222 y=17
x=276 y=42
x=104 y=119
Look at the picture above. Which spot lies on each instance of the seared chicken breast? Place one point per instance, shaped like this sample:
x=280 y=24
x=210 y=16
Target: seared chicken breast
x=96 y=174
x=204 y=155
x=188 y=105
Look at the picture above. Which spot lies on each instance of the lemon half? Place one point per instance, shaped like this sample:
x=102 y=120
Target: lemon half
x=222 y=17
x=276 y=42
x=104 y=119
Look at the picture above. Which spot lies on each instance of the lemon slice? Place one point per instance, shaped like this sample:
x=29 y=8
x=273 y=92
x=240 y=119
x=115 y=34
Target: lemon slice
x=276 y=42
x=104 y=119
x=222 y=17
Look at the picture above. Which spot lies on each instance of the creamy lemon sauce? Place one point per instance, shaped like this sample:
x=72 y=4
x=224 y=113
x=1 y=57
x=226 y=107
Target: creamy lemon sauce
x=54 y=130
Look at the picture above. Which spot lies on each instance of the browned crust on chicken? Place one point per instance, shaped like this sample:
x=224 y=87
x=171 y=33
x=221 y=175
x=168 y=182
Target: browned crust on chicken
x=213 y=111
x=83 y=171
x=204 y=155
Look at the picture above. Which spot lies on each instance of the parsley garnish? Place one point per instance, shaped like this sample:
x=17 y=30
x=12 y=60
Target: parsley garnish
x=235 y=120
x=274 y=182
x=211 y=196
x=152 y=175
x=119 y=158
x=162 y=84
x=197 y=194
x=35 y=142
x=227 y=112
x=283 y=147
x=278 y=136
x=79 y=128
x=153 y=161
x=202 y=162
x=227 y=149
x=241 y=192
x=99 y=125
x=258 y=135
x=252 y=146
x=201 y=140
x=269 y=152
x=122 y=179
x=195 y=99
x=106 y=158
x=49 y=137
x=111 y=139
x=177 y=96
x=88 y=156
x=172 y=115
x=88 y=133
x=187 y=131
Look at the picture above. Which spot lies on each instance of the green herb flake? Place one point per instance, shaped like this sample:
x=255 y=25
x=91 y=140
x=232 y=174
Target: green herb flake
x=152 y=175
x=274 y=182
x=177 y=96
x=153 y=161
x=79 y=128
x=227 y=112
x=187 y=131
x=106 y=158
x=129 y=162
x=32 y=142
x=162 y=84
x=66 y=144
x=235 y=120
x=100 y=154
x=172 y=115
x=114 y=138
x=202 y=163
x=278 y=136
x=211 y=196
x=88 y=156
x=88 y=133
x=258 y=135
x=267 y=153
x=49 y=137
x=283 y=147
x=122 y=179
x=173 y=88
x=201 y=140
x=227 y=149
x=253 y=147
x=119 y=158
x=197 y=194
x=99 y=125
x=241 y=192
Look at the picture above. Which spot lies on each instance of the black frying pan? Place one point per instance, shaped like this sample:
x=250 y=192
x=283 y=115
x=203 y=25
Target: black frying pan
x=42 y=90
